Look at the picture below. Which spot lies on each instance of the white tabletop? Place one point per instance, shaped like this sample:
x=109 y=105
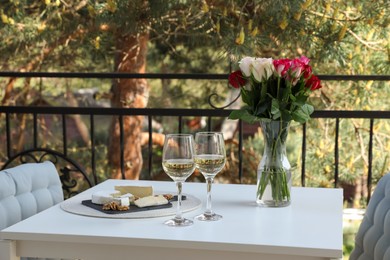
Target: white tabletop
x=310 y=227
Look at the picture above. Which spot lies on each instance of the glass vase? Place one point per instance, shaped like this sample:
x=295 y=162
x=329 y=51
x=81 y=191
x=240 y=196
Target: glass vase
x=274 y=170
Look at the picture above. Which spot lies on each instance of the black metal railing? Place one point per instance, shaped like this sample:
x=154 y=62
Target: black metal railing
x=199 y=76
x=92 y=112
x=179 y=113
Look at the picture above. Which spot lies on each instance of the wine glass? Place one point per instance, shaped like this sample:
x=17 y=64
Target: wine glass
x=178 y=163
x=210 y=157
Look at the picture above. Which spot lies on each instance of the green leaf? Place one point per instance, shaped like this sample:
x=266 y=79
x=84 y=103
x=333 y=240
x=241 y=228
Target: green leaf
x=286 y=116
x=245 y=116
x=263 y=93
x=237 y=114
x=261 y=108
x=303 y=113
x=275 y=110
x=285 y=93
x=300 y=100
x=308 y=108
x=246 y=97
x=251 y=119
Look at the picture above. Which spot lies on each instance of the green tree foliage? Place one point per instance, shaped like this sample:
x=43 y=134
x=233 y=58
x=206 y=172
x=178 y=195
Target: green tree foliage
x=342 y=36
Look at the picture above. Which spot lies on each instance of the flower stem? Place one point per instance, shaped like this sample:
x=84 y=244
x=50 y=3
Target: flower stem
x=273 y=175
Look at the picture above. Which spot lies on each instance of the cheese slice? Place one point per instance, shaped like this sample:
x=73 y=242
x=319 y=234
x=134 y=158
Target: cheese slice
x=137 y=191
x=151 y=201
x=107 y=196
x=125 y=199
x=104 y=196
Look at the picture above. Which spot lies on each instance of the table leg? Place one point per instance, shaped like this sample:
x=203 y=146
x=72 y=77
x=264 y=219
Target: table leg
x=8 y=250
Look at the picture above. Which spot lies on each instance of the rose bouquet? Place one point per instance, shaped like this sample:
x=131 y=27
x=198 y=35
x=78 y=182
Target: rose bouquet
x=275 y=92
x=274 y=89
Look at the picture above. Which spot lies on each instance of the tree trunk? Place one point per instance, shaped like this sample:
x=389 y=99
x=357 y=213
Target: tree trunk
x=128 y=93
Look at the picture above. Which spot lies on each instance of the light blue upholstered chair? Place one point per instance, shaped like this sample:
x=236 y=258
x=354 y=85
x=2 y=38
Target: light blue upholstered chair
x=372 y=240
x=26 y=190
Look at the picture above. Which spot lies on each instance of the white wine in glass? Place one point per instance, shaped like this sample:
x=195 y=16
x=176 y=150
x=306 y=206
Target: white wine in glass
x=178 y=163
x=210 y=158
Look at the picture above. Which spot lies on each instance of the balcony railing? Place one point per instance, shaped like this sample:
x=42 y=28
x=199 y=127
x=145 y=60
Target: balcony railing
x=92 y=112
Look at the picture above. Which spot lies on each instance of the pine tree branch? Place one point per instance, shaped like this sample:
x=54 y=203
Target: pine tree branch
x=33 y=64
x=366 y=43
x=334 y=18
x=339 y=21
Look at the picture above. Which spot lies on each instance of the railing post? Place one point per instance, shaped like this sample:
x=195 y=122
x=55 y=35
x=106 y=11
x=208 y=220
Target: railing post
x=369 y=175
x=35 y=127
x=150 y=145
x=122 y=150
x=93 y=152
x=336 y=153
x=240 y=145
x=303 y=170
x=8 y=132
x=180 y=124
x=64 y=137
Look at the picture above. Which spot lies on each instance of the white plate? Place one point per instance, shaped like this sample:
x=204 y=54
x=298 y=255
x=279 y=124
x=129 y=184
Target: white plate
x=73 y=205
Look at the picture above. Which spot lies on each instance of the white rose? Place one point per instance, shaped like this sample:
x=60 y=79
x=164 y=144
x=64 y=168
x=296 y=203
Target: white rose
x=245 y=65
x=262 y=68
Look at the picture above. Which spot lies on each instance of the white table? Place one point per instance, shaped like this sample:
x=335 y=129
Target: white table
x=310 y=228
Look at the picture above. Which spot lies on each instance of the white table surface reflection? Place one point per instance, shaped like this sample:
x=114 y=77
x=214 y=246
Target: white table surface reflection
x=310 y=228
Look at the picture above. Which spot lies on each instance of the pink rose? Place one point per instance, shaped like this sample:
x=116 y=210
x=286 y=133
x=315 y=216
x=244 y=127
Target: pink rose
x=305 y=60
x=282 y=66
x=304 y=65
x=300 y=67
x=313 y=83
x=236 y=79
x=297 y=68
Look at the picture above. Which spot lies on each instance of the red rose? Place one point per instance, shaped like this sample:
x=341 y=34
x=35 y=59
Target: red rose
x=236 y=79
x=313 y=83
x=307 y=71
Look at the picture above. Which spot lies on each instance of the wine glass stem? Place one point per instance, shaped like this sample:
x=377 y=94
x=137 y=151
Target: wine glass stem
x=208 y=205
x=178 y=208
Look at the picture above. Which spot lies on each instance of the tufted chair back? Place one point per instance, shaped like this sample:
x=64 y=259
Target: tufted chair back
x=372 y=240
x=26 y=190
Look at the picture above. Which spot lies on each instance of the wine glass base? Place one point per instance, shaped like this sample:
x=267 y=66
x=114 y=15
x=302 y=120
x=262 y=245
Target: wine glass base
x=208 y=217
x=179 y=222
